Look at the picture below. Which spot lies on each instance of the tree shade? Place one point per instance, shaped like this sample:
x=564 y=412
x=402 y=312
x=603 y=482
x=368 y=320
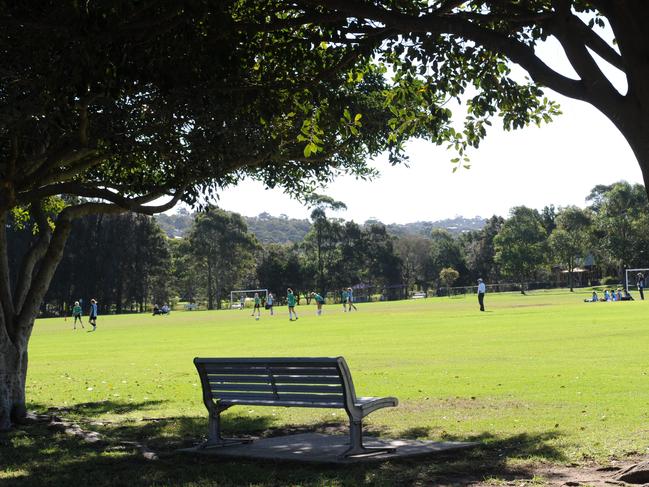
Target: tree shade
x=109 y=107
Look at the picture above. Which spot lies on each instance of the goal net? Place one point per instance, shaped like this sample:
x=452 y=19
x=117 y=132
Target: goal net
x=245 y=297
x=631 y=277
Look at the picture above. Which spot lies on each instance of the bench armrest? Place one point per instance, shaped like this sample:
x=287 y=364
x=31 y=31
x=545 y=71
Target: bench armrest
x=368 y=405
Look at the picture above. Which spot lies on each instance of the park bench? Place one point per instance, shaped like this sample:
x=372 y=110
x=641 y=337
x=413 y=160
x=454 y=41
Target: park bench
x=191 y=306
x=297 y=382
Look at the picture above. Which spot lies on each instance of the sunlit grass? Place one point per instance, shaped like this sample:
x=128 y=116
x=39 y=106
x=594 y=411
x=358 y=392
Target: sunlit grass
x=542 y=364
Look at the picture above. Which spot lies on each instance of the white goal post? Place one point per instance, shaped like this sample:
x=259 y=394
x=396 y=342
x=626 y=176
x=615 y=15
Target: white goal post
x=238 y=303
x=630 y=276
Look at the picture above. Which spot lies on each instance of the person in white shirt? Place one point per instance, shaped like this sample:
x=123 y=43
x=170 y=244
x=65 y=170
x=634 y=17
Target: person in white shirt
x=269 y=303
x=482 y=289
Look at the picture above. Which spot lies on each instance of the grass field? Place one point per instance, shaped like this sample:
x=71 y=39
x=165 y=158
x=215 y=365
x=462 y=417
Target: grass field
x=536 y=378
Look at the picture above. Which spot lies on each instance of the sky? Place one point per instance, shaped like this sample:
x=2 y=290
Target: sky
x=558 y=163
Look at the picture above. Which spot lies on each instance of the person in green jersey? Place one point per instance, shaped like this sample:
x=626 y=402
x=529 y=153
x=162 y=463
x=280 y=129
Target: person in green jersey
x=319 y=301
x=290 y=298
x=257 y=307
x=76 y=312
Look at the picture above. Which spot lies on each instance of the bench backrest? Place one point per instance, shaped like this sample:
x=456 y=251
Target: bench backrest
x=303 y=381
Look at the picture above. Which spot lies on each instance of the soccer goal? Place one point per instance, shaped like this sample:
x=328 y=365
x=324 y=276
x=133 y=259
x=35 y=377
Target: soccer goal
x=238 y=298
x=631 y=277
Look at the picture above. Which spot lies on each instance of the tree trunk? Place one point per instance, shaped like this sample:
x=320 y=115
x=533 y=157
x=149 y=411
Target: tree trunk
x=210 y=298
x=571 y=266
x=19 y=305
x=13 y=372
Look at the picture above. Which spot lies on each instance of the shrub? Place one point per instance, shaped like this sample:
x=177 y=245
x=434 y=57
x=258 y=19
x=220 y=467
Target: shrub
x=608 y=280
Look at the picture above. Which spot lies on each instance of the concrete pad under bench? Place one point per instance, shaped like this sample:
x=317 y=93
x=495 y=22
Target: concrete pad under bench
x=321 y=448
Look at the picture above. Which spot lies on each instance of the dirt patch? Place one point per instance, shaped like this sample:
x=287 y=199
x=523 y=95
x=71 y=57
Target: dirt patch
x=454 y=403
x=576 y=475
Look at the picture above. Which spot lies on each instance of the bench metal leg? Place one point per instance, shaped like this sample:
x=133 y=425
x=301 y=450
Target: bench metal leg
x=356 y=447
x=214 y=438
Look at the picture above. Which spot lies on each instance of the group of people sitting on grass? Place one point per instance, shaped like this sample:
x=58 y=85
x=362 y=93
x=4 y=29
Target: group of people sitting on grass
x=611 y=296
x=161 y=310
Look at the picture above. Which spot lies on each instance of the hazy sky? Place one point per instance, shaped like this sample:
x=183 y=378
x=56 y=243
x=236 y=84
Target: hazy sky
x=555 y=164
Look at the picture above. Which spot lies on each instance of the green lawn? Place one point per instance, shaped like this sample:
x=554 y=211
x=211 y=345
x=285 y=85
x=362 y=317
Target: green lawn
x=543 y=377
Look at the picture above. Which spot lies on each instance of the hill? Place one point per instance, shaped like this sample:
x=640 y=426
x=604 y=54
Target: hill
x=455 y=225
x=282 y=229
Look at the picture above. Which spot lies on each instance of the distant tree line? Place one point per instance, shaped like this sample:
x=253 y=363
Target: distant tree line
x=128 y=263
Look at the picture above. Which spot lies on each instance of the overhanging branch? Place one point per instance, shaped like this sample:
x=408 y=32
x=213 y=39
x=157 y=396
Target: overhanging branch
x=433 y=24
x=136 y=204
x=597 y=44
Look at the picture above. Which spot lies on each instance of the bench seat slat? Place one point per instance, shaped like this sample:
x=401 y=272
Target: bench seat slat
x=300 y=404
x=291 y=361
x=306 y=379
x=240 y=387
x=315 y=389
x=306 y=371
x=260 y=370
x=281 y=388
x=235 y=370
x=227 y=397
x=312 y=397
x=251 y=379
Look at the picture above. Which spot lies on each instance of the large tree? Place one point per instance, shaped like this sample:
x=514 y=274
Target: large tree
x=225 y=250
x=123 y=103
x=479 y=250
x=521 y=244
x=445 y=251
x=571 y=239
x=621 y=224
x=465 y=48
x=414 y=252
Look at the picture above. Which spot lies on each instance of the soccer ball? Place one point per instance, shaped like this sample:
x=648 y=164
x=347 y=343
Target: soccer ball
x=257 y=318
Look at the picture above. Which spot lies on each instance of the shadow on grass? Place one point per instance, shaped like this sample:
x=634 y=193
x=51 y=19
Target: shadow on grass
x=35 y=455
x=93 y=409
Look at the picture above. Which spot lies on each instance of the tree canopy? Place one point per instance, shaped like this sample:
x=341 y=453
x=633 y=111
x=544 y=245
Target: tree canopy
x=109 y=107
x=465 y=50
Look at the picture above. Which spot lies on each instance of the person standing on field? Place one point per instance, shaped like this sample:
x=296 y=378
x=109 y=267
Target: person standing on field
x=350 y=299
x=482 y=289
x=269 y=302
x=92 y=318
x=290 y=298
x=343 y=299
x=640 y=284
x=76 y=313
x=257 y=307
x=319 y=301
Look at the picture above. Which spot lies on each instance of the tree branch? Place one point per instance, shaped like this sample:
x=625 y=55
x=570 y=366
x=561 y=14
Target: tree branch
x=35 y=253
x=72 y=170
x=5 y=340
x=496 y=42
x=51 y=168
x=49 y=262
x=597 y=44
x=5 y=282
x=280 y=24
x=448 y=6
x=592 y=77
